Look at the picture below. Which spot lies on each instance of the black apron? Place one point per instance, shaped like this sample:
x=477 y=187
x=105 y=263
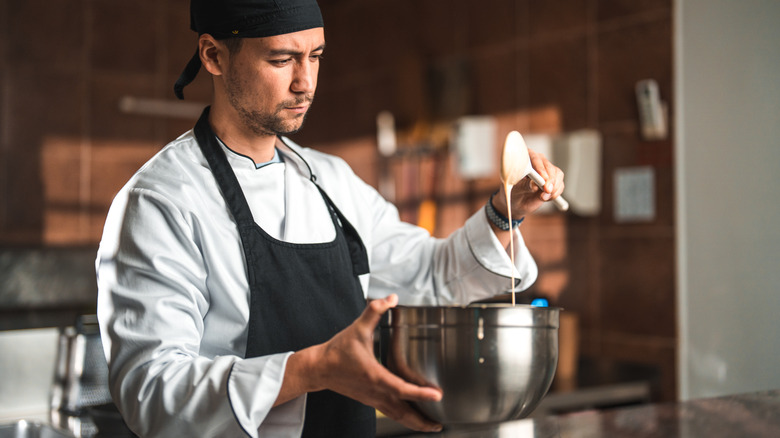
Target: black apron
x=300 y=294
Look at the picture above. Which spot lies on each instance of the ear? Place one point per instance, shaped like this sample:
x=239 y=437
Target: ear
x=213 y=55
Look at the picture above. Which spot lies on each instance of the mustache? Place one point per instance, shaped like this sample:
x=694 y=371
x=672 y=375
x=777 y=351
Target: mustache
x=308 y=98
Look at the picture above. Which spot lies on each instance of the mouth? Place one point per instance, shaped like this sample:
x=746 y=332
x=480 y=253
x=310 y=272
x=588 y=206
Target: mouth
x=298 y=109
x=297 y=106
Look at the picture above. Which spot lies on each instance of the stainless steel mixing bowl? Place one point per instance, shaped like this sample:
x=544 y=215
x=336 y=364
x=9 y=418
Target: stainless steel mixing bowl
x=493 y=362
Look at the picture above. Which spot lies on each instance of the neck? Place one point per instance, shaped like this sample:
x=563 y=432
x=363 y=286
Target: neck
x=226 y=124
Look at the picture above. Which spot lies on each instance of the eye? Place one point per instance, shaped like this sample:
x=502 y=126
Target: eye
x=316 y=57
x=280 y=62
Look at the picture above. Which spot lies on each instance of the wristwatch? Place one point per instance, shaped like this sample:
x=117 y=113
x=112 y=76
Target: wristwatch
x=498 y=219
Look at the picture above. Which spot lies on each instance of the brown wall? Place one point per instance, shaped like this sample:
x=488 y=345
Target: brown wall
x=540 y=66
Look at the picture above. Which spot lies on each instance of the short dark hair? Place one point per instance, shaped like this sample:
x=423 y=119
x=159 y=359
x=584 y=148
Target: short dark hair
x=233 y=44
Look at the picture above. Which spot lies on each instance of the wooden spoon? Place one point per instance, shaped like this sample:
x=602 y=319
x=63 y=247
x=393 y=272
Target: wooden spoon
x=516 y=164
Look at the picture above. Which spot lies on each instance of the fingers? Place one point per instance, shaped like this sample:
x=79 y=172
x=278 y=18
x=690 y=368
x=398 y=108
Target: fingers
x=374 y=385
x=404 y=414
x=558 y=184
x=382 y=304
x=397 y=408
x=407 y=391
x=552 y=175
x=374 y=311
x=352 y=370
x=540 y=163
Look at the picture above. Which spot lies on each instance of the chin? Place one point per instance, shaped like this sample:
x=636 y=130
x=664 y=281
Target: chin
x=292 y=128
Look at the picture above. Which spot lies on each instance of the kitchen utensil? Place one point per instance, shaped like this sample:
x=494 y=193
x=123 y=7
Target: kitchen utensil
x=516 y=164
x=31 y=429
x=80 y=399
x=493 y=362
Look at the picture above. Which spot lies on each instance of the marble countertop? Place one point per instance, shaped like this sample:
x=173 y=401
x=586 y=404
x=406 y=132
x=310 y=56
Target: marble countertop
x=755 y=415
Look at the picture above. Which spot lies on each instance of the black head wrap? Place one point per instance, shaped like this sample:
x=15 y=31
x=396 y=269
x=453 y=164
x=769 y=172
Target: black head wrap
x=246 y=19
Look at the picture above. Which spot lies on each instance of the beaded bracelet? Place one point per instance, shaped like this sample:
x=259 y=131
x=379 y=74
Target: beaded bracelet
x=498 y=219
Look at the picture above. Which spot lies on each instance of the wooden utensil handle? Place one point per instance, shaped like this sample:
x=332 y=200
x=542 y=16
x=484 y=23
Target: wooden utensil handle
x=559 y=202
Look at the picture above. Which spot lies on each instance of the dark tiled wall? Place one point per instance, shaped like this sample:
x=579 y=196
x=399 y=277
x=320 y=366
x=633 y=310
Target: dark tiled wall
x=65 y=146
x=540 y=66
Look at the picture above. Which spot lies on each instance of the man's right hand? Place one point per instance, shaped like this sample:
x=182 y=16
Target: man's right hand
x=346 y=364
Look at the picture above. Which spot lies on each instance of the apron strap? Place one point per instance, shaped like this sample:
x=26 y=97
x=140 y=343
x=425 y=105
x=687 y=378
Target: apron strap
x=221 y=170
x=357 y=250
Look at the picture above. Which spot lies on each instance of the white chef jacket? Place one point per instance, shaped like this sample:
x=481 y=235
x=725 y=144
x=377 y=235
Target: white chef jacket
x=173 y=299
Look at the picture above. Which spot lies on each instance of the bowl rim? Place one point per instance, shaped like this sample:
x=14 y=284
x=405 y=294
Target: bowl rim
x=482 y=314
x=478 y=305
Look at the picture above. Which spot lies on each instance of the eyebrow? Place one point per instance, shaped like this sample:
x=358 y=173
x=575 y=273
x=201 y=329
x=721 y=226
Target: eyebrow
x=278 y=52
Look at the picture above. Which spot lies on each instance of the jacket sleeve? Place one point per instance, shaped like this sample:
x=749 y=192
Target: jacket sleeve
x=468 y=265
x=151 y=304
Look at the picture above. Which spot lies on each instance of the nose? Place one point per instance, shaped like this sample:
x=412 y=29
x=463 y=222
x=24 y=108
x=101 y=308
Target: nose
x=305 y=77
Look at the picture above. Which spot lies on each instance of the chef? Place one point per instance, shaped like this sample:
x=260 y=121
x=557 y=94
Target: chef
x=241 y=276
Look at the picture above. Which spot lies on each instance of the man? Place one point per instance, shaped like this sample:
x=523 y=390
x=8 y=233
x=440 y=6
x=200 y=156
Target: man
x=235 y=265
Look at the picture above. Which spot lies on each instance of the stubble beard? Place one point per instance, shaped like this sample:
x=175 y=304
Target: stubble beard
x=266 y=123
